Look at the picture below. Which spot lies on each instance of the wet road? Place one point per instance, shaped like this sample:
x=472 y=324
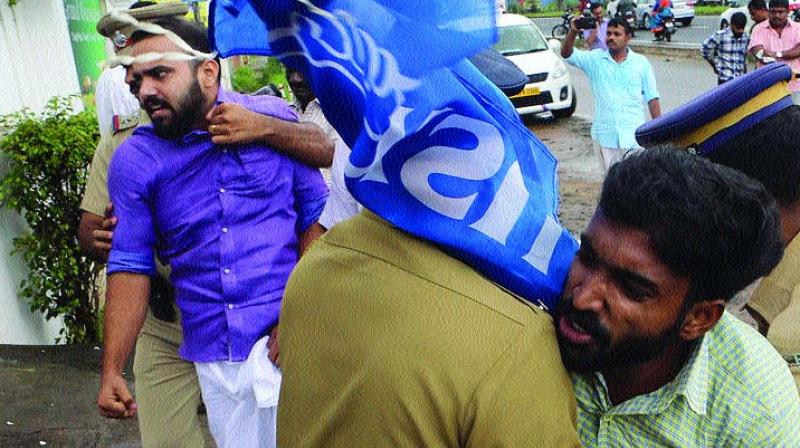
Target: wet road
x=701 y=28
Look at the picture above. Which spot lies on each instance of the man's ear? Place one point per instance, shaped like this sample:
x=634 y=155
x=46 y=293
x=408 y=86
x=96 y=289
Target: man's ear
x=208 y=73
x=701 y=318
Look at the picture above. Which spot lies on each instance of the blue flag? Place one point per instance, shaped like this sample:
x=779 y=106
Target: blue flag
x=437 y=149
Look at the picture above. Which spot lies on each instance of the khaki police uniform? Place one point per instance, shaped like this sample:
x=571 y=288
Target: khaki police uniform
x=777 y=300
x=388 y=341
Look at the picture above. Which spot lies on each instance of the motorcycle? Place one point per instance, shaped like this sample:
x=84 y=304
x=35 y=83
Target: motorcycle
x=663 y=25
x=627 y=12
x=560 y=31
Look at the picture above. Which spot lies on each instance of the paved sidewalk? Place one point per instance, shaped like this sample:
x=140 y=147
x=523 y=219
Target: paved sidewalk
x=47 y=398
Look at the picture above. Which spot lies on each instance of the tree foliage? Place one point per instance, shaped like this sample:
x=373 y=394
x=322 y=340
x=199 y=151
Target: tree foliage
x=48 y=154
x=246 y=80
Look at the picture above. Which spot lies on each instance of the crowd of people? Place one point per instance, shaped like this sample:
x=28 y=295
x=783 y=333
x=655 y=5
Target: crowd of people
x=773 y=38
x=249 y=279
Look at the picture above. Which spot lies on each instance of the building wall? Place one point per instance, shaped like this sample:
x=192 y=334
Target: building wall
x=37 y=64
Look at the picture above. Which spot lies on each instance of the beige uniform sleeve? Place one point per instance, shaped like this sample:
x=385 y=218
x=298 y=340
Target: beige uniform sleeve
x=526 y=399
x=769 y=299
x=95 y=197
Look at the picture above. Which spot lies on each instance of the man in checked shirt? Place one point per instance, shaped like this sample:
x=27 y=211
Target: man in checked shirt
x=725 y=49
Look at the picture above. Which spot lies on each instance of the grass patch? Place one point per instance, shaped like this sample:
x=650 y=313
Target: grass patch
x=709 y=10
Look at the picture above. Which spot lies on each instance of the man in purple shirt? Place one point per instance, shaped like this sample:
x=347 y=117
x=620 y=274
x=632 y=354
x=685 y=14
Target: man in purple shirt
x=230 y=220
x=595 y=38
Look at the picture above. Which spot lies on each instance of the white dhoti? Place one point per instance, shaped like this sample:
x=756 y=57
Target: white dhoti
x=242 y=399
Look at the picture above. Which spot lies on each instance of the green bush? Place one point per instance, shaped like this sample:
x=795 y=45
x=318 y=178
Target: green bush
x=246 y=80
x=48 y=154
x=274 y=72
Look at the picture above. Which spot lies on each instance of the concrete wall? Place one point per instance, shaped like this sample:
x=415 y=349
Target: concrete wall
x=37 y=64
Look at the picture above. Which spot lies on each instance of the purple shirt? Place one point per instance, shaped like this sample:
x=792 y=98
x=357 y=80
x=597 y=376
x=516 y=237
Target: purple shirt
x=226 y=219
x=600 y=43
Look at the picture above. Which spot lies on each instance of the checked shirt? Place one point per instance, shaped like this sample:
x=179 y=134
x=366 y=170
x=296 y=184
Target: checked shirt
x=734 y=391
x=727 y=53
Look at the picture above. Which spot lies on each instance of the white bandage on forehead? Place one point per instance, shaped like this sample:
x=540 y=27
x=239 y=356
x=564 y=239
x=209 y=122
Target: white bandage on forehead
x=188 y=54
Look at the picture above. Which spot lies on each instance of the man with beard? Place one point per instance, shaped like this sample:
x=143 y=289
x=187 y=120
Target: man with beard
x=656 y=360
x=620 y=79
x=778 y=39
x=231 y=221
x=167 y=390
x=762 y=145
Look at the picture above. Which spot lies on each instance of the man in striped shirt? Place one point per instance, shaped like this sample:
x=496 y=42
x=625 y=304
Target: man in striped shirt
x=725 y=49
x=655 y=360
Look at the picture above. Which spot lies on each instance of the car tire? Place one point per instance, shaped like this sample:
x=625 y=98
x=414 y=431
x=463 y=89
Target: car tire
x=566 y=113
x=723 y=24
x=686 y=22
x=559 y=31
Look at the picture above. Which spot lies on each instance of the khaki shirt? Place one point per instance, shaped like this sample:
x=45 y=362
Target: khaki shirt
x=388 y=341
x=95 y=199
x=777 y=299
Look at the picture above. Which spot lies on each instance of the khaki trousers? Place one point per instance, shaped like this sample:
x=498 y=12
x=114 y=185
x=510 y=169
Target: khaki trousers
x=167 y=390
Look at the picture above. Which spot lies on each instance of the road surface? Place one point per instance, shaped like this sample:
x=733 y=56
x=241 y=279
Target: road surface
x=701 y=28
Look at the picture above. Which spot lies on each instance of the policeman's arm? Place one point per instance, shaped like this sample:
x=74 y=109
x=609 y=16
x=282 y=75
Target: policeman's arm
x=97 y=250
x=233 y=124
x=95 y=233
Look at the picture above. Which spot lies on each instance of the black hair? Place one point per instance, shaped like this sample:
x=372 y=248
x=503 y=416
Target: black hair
x=595 y=5
x=739 y=20
x=193 y=33
x=617 y=21
x=779 y=4
x=707 y=222
x=769 y=152
x=756 y=5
